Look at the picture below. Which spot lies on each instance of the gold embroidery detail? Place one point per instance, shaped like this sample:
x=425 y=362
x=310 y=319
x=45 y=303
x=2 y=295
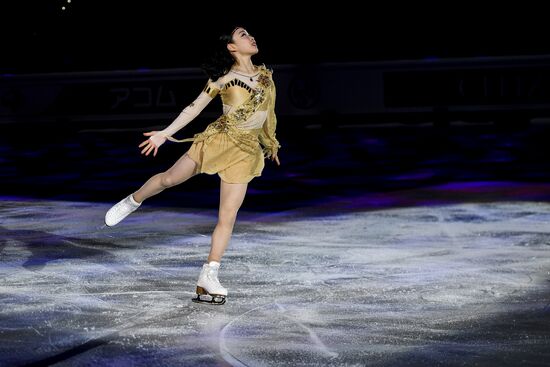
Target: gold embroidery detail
x=211 y=90
x=229 y=123
x=239 y=83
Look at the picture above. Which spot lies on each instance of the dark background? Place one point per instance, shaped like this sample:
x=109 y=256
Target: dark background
x=38 y=36
x=323 y=157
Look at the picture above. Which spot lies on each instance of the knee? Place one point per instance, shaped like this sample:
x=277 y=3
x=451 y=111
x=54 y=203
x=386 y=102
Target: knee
x=227 y=217
x=167 y=180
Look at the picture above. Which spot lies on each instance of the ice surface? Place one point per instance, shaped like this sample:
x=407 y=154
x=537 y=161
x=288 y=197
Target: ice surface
x=465 y=284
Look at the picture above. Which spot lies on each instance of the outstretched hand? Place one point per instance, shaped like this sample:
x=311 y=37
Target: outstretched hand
x=150 y=145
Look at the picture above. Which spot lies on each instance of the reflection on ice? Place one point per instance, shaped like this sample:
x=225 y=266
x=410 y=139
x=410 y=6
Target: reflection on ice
x=452 y=285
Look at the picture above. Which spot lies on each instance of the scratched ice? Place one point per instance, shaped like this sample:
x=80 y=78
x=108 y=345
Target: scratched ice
x=464 y=284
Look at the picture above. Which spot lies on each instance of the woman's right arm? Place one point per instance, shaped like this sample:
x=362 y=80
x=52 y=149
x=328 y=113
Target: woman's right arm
x=188 y=114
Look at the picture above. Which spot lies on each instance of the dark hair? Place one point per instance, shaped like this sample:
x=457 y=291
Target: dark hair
x=220 y=61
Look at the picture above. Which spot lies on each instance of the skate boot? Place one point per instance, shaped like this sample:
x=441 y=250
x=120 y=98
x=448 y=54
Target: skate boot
x=121 y=210
x=209 y=289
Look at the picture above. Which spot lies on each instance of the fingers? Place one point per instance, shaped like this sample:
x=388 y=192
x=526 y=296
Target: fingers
x=275 y=158
x=147 y=148
x=148 y=141
x=148 y=145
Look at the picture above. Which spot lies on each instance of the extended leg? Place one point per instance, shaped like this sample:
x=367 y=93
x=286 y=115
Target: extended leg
x=182 y=170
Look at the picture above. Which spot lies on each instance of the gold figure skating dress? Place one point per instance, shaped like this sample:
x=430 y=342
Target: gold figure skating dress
x=236 y=144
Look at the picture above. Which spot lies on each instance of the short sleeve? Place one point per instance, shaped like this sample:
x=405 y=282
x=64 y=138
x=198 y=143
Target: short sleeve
x=212 y=88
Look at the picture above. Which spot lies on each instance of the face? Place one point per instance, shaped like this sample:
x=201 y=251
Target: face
x=243 y=43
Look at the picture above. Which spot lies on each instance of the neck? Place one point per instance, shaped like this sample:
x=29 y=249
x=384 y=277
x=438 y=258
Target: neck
x=244 y=64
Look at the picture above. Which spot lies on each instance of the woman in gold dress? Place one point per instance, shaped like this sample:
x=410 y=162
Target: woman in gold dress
x=234 y=146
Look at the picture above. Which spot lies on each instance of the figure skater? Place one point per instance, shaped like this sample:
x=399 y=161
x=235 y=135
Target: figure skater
x=234 y=146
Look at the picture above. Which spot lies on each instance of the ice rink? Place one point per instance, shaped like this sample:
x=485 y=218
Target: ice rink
x=353 y=282
x=402 y=220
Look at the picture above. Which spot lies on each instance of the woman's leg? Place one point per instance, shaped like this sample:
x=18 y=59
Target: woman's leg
x=231 y=198
x=181 y=171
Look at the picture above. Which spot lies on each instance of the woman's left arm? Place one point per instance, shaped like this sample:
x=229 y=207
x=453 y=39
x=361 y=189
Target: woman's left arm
x=268 y=136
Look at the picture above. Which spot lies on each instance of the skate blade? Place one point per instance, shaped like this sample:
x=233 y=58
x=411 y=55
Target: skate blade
x=215 y=299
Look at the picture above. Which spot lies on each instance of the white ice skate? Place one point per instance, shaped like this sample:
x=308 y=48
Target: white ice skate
x=121 y=210
x=209 y=286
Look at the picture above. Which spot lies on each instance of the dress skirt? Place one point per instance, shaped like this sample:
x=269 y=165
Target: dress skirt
x=219 y=154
